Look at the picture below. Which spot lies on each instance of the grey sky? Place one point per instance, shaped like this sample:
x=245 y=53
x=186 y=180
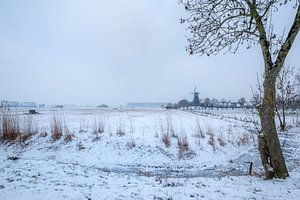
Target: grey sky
x=96 y=51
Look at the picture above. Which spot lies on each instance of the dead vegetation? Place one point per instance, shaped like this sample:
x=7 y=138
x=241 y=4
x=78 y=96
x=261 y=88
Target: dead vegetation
x=28 y=129
x=14 y=129
x=221 y=140
x=199 y=130
x=83 y=127
x=211 y=139
x=68 y=135
x=166 y=140
x=56 y=128
x=10 y=126
x=183 y=144
x=59 y=129
x=131 y=144
x=167 y=131
x=243 y=139
x=99 y=125
x=199 y=133
x=120 y=131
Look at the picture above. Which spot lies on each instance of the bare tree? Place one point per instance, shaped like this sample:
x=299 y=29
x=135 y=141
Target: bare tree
x=224 y=25
x=286 y=95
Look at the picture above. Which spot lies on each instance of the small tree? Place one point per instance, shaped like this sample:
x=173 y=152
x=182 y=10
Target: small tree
x=207 y=102
x=215 y=102
x=183 y=103
x=286 y=95
x=224 y=25
x=242 y=101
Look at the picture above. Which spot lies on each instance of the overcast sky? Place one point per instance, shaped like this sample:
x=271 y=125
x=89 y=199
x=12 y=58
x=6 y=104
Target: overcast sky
x=114 y=52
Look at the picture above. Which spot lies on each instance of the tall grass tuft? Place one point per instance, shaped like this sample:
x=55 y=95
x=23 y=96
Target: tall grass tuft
x=10 y=126
x=56 y=128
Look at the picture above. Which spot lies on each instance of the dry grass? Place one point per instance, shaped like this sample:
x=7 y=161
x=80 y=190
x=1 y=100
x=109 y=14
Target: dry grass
x=131 y=144
x=166 y=140
x=199 y=130
x=28 y=129
x=99 y=126
x=83 y=127
x=56 y=128
x=243 y=139
x=120 y=131
x=183 y=145
x=10 y=126
x=221 y=141
x=199 y=133
x=173 y=132
x=211 y=139
x=68 y=137
x=131 y=123
x=43 y=134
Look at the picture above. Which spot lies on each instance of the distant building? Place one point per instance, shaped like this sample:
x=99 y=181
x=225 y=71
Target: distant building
x=9 y=104
x=103 y=106
x=196 y=101
x=28 y=104
x=58 y=106
x=146 y=105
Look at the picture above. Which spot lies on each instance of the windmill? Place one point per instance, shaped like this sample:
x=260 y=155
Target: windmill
x=196 y=101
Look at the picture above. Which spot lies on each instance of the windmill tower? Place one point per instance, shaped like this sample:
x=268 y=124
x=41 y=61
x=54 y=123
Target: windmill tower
x=196 y=101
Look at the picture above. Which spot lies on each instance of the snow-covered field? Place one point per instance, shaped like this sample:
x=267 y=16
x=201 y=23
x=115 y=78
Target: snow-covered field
x=120 y=154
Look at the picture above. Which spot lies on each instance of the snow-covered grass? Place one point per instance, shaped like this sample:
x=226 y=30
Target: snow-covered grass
x=122 y=154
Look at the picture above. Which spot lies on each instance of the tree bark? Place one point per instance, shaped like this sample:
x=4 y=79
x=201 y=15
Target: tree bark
x=268 y=141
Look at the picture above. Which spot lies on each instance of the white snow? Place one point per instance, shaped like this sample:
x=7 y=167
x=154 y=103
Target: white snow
x=138 y=165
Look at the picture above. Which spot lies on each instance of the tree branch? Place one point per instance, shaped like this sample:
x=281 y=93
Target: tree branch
x=288 y=42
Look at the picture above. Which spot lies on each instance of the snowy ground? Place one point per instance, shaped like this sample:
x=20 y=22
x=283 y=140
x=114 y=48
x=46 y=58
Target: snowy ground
x=138 y=165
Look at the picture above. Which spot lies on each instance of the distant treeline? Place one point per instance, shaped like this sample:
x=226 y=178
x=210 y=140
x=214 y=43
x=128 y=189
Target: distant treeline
x=224 y=104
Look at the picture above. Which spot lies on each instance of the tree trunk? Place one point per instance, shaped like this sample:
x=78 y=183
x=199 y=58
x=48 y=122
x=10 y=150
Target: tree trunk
x=268 y=141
